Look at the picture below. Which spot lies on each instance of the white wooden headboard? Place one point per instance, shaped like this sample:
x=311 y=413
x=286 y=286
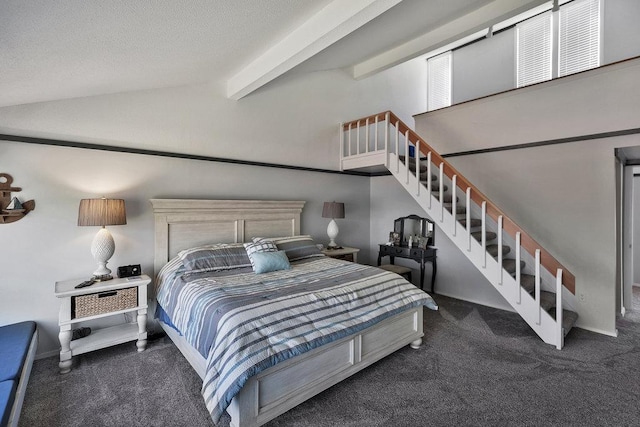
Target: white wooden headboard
x=185 y=223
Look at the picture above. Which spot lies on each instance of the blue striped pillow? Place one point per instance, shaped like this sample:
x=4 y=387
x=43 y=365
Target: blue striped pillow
x=296 y=247
x=221 y=256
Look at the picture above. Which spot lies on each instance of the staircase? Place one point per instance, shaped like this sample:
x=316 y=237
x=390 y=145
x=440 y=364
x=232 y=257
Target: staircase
x=529 y=278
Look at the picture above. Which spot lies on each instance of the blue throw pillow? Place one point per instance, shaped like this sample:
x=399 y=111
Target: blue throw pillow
x=264 y=262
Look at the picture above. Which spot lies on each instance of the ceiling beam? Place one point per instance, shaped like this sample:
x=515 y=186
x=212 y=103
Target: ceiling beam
x=481 y=18
x=338 y=19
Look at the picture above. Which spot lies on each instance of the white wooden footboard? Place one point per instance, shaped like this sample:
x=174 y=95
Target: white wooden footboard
x=281 y=387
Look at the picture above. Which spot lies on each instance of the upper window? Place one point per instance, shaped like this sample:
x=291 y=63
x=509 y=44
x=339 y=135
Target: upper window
x=439 y=81
x=534 y=49
x=576 y=38
x=579 y=37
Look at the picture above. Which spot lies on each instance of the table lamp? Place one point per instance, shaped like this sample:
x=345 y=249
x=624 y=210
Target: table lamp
x=332 y=210
x=102 y=212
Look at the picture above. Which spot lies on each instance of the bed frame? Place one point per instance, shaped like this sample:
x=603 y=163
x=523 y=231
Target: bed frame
x=181 y=224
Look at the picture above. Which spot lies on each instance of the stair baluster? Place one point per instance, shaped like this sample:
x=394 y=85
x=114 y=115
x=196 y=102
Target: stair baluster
x=537 y=291
x=468 y=218
x=559 y=320
x=484 y=235
x=518 y=270
x=500 y=270
x=531 y=306
x=441 y=190
x=454 y=201
x=418 y=184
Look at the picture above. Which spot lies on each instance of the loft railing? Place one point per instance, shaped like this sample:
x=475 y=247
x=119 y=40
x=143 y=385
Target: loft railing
x=380 y=144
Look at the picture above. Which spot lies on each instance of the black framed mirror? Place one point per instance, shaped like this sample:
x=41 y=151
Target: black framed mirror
x=420 y=231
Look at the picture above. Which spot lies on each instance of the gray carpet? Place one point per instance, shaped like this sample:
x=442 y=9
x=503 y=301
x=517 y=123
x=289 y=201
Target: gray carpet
x=478 y=366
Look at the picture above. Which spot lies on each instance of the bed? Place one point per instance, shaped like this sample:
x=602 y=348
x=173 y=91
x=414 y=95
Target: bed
x=295 y=369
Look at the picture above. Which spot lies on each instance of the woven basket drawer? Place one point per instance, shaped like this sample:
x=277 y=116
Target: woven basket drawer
x=104 y=302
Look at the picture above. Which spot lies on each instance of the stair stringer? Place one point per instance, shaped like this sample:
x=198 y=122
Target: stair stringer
x=521 y=301
x=547 y=280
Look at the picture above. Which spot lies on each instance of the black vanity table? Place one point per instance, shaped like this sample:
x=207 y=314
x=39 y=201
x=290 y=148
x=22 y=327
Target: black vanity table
x=422 y=251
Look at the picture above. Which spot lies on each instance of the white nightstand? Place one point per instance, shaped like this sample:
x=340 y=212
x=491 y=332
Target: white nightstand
x=102 y=299
x=346 y=253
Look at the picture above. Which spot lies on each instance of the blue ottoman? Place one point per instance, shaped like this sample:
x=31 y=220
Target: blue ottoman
x=18 y=344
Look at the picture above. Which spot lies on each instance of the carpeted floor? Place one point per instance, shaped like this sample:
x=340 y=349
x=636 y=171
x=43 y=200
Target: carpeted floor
x=478 y=367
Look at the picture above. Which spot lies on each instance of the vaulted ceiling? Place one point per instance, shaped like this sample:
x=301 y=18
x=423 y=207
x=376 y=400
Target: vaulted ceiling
x=52 y=50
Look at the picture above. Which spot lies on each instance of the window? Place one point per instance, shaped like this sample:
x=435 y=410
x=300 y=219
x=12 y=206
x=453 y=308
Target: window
x=534 y=50
x=439 y=81
x=579 y=37
x=578 y=42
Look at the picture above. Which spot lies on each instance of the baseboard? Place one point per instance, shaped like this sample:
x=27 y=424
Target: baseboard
x=599 y=331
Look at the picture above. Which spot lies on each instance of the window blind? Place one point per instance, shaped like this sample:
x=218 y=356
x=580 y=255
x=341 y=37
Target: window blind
x=439 y=81
x=534 y=50
x=579 y=37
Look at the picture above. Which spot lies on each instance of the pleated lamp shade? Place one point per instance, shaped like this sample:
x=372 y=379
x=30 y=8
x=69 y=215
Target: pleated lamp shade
x=102 y=212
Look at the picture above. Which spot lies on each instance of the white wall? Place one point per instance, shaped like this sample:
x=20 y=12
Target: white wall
x=292 y=121
x=484 y=68
x=456 y=276
x=563 y=195
x=47 y=245
x=488 y=66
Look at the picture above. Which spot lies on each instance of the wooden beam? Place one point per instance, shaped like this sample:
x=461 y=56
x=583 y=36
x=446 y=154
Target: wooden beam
x=478 y=20
x=337 y=20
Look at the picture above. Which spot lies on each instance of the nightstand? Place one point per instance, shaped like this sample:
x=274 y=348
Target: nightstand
x=102 y=299
x=346 y=253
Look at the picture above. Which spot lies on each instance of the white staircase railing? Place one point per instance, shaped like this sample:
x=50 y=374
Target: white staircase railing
x=383 y=139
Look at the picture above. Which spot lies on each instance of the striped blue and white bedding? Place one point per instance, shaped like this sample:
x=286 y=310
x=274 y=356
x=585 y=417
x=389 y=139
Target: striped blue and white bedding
x=243 y=323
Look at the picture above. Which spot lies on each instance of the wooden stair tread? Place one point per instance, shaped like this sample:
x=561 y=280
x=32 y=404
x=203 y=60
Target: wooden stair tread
x=478 y=235
x=493 y=250
x=475 y=222
x=412 y=163
x=509 y=265
x=528 y=282
x=423 y=177
x=459 y=209
x=447 y=198
x=436 y=188
x=547 y=300
x=569 y=318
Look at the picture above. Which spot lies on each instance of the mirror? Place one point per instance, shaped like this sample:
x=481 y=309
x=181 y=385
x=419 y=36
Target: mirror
x=421 y=230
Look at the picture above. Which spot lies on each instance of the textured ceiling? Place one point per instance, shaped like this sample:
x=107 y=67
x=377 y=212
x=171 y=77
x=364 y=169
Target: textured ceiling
x=70 y=48
x=62 y=49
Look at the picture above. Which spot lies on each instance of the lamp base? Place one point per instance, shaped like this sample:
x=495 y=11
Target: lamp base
x=332 y=232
